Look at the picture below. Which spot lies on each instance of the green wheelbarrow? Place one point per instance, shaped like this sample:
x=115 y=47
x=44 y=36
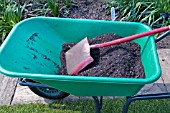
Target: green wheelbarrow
x=32 y=50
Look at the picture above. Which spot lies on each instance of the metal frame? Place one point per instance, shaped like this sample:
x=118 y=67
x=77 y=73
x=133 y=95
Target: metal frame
x=27 y=82
x=162 y=36
x=130 y=99
x=98 y=103
x=143 y=97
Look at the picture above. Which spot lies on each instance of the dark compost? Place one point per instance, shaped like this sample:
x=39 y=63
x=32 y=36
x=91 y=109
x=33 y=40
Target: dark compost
x=121 y=60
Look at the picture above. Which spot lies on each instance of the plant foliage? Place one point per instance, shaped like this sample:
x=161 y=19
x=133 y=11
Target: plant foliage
x=10 y=15
x=150 y=12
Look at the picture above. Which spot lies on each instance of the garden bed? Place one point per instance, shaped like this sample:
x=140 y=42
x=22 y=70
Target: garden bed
x=87 y=9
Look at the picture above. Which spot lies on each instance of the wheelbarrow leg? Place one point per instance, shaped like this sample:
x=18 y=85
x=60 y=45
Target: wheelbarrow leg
x=127 y=103
x=98 y=103
x=143 y=97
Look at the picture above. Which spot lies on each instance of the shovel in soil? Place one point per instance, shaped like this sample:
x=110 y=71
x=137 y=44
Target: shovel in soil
x=78 y=57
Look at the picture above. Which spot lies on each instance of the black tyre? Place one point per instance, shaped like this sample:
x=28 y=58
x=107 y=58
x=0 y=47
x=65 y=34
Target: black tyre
x=49 y=93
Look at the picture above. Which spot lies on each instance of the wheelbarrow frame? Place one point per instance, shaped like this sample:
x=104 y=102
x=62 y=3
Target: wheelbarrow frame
x=33 y=84
x=129 y=99
x=60 y=79
x=37 y=61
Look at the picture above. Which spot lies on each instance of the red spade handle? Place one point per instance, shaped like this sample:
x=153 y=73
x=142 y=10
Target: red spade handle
x=129 y=38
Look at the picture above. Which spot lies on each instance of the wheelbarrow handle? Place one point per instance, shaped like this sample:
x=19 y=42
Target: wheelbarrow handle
x=162 y=36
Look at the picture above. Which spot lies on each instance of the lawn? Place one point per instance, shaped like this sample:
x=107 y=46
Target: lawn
x=87 y=106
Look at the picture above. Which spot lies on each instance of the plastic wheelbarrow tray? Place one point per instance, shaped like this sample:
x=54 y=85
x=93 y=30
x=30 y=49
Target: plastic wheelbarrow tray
x=32 y=50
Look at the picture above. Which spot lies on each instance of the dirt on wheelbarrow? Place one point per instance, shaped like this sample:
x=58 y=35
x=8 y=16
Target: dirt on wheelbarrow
x=121 y=60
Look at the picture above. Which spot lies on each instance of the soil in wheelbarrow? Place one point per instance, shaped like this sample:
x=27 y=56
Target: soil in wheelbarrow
x=121 y=60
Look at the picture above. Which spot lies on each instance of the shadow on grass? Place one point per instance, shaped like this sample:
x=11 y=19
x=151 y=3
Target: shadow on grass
x=87 y=106
x=114 y=106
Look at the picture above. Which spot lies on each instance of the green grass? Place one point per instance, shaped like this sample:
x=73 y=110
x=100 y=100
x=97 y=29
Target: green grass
x=87 y=106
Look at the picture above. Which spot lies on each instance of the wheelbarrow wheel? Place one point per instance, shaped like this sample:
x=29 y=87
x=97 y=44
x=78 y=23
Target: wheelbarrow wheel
x=49 y=93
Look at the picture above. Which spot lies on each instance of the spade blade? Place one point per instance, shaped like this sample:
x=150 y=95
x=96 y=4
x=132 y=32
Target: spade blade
x=78 y=57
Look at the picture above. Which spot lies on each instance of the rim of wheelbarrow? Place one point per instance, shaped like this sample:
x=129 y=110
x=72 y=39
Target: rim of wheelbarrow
x=86 y=78
x=82 y=79
x=90 y=78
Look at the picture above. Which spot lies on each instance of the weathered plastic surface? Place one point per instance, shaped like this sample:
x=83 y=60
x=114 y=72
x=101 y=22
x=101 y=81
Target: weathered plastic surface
x=32 y=50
